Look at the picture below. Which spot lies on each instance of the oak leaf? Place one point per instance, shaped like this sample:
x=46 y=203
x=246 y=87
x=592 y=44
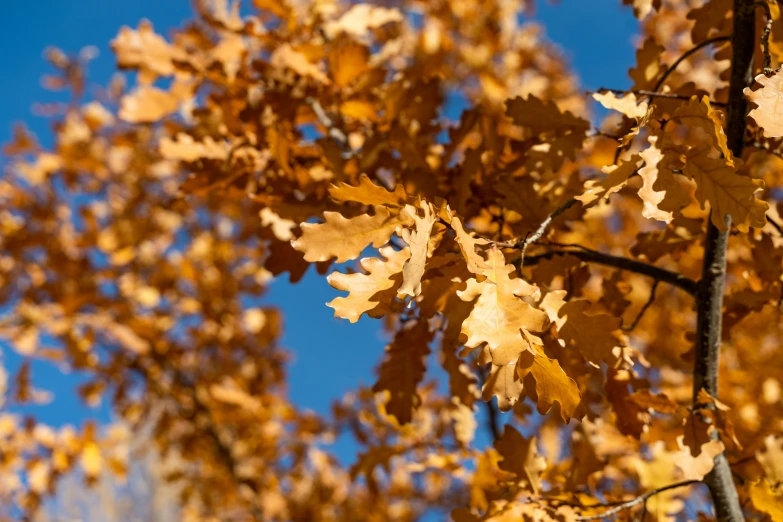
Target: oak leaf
x=499 y=317
x=768 y=112
x=626 y=104
x=726 y=191
x=590 y=335
x=403 y=369
x=504 y=383
x=419 y=243
x=616 y=179
x=369 y=193
x=766 y=499
x=661 y=193
x=345 y=238
x=521 y=457
x=370 y=293
x=147 y=104
x=552 y=385
x=700 y=114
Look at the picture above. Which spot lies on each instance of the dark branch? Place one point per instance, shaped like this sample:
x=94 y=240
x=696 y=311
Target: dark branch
x=653 y=94
x=685 y=56
x=493 y=414
x=775 y=224
x=540 y=231
x=765 y=37
x=647 y=305
x=709 y=300
x=641 y=499
x=623 y=263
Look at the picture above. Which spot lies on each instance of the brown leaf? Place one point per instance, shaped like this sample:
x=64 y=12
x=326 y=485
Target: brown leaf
x=403 y=369
x=345 y=238
x=520 y=457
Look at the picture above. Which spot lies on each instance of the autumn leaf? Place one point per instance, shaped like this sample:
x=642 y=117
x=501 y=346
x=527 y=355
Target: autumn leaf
x=148 y=104
x=590 y=335
x=370 y=293
x=699 y=114
x=727 y=192
x=369 y=193
x=766 y=499
x=419 y=243
x=499 y=317
x=467 y=244
x=520 y=457
x=403 y=369
x=345 y=238
x=768 y=112
x=626 y=104
x=616 y=179
x=552 y=385
x=661 y=192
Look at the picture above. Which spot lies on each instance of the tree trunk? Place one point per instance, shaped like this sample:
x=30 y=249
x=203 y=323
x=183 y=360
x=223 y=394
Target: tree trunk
x=711 y=287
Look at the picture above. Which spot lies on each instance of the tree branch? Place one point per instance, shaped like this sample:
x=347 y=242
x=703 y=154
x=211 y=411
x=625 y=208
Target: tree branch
x=709 y=300
x=765 y=37
x=654 y=94
x=685 y=56
x=540 y=231
x=623 y=263
x=641 y=499
x=647 y=305
x=493 y=414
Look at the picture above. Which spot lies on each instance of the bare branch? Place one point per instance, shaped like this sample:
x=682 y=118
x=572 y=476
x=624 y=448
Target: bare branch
x=654 y=94
x=641 y=499
x=685 y=56
x=647 y=305
x=623 y=263
x=332 y=130
x=540 y=231
x=765 y=37
x=709 y=301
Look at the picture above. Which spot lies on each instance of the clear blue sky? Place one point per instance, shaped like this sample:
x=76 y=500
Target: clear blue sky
x=330 y=356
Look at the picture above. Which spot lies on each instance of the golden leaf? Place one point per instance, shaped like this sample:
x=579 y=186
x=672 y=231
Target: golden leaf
x=369 y=293
x=617 y=177
x=520 y=457
x=661 y=192
x=552 y=385
x=91 y=460
x=403 y=369
x=726 y=191
x=700 y=114
x=147 y=104
x=467 y=245
x=419 y=243
x=591 y=335
x=766 y=499
x=625 y=104
x=369 y=193
x=360 y=19
x=768 y=112
x=499 y=316
x=345 y=238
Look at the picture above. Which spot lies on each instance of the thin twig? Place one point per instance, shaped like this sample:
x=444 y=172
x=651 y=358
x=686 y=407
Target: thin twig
x=647 y=305
x=641 y=499
x=775 y=224
x=623 y=263
x=654 y=94
x=493 y=415
x=685 y=55
x=332 y=130
x=540 y=231
x=765 y=38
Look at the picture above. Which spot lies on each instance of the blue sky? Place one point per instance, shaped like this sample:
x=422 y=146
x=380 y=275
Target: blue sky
x=330 y=356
